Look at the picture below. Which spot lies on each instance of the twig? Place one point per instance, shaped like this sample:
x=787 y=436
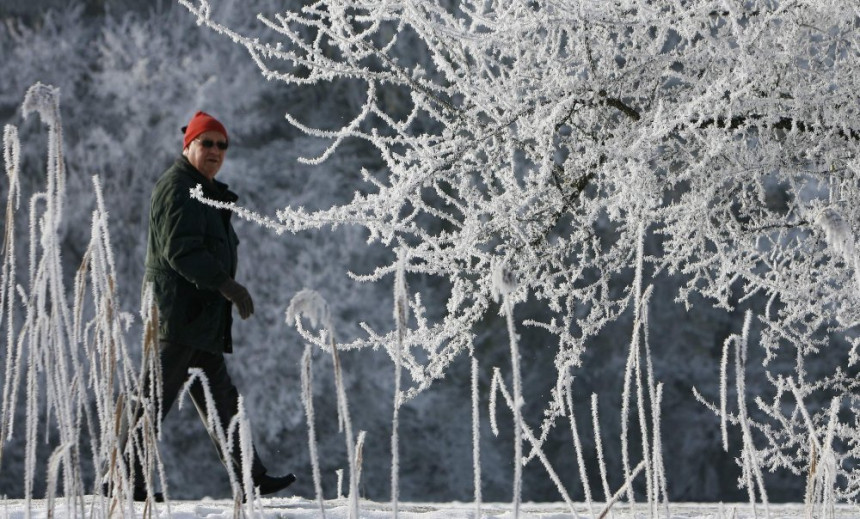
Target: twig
x=621 y=490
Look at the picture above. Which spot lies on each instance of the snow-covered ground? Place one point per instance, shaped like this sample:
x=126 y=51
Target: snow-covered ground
x=300 y=508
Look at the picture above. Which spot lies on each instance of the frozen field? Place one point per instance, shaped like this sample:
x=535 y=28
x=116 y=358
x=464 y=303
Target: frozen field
x=299 y=508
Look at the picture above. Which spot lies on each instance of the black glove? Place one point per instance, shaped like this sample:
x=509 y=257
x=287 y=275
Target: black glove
x=239 y=296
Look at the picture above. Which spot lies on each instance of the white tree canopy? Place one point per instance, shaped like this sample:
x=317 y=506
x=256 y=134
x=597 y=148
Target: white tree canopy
x=553 y=137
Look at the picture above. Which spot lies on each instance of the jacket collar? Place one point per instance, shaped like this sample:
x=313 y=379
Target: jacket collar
x=211 y=188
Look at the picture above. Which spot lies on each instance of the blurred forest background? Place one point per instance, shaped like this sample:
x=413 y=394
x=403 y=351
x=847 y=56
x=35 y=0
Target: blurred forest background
x=130 y=75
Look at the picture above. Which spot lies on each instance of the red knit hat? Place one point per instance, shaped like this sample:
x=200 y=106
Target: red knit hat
x=200 y=123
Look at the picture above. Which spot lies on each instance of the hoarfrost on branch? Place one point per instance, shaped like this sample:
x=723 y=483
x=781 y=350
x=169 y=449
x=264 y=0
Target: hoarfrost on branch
x=552 y=137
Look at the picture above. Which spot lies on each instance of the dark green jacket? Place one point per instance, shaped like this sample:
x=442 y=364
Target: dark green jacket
x=191 y=250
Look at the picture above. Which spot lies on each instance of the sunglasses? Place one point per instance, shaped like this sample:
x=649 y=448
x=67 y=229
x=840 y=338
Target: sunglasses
x=208 y=143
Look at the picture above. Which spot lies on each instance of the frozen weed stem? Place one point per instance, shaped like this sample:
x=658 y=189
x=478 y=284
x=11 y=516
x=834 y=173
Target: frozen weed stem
x=311 y=305
x=73 y=347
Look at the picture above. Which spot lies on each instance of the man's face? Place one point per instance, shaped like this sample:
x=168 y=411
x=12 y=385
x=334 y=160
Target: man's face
x=207 y=160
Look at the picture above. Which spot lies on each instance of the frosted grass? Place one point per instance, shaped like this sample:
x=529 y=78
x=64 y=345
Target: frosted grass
x=311 y=305
x=476 y=438
x=577 y=445
x=300 y=508
x=70 y=352
x=307 y=400
x=401 y=315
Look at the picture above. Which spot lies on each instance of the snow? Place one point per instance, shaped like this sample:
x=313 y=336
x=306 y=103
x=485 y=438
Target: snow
x=301 y=508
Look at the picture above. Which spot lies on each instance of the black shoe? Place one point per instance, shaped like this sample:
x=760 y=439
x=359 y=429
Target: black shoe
x=270 y=485
x=140 y=495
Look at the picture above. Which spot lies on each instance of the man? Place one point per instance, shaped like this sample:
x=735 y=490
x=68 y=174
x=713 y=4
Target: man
x=191 y=263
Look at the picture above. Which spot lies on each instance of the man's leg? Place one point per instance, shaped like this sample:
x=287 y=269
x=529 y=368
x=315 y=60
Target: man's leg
x=175 y=361
x=226 y=400
x=225 y=397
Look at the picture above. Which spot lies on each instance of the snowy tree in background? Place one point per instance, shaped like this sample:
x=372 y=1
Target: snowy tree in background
x=545 y=135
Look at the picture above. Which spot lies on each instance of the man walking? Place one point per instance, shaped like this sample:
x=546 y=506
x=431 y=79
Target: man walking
x=191 y=263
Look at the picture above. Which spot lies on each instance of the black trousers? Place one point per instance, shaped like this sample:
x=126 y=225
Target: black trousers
x=175 y=362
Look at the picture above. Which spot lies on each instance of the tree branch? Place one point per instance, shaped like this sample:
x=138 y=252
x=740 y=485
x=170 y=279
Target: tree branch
x=619 y=105
x=784 y=123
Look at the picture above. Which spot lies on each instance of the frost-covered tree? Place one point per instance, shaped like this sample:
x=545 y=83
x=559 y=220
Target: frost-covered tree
x=554 y=136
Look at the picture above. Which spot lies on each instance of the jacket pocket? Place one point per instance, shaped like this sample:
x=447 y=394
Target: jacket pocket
x=169 y=302
x=199 y=305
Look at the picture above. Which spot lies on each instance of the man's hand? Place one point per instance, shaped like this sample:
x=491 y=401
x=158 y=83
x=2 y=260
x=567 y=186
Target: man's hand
x=239 y=296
